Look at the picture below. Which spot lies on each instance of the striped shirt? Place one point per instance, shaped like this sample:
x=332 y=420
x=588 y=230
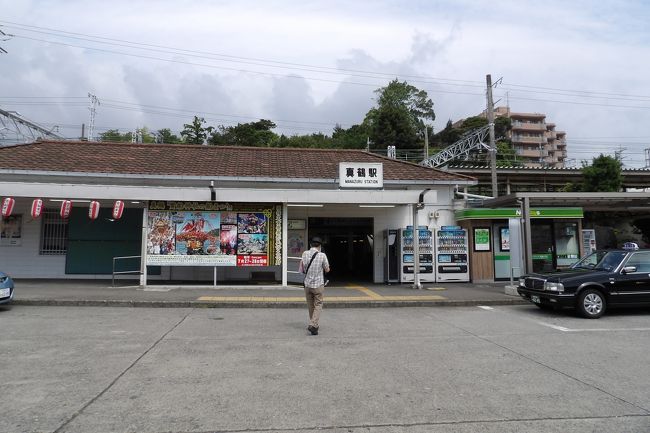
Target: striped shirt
x=314 y=277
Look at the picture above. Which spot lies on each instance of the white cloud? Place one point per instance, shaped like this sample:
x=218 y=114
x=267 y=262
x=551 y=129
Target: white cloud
x=557 y=45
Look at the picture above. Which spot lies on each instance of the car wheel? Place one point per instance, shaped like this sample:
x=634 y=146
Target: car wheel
x=591 y=304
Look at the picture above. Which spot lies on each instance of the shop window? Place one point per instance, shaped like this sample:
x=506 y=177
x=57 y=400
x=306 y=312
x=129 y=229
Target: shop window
x=54 y=234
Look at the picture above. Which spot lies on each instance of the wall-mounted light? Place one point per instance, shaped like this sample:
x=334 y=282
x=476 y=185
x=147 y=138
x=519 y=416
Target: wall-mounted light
x=303 y=205
x=376 y=205
x=213 y=193
x=56 y=200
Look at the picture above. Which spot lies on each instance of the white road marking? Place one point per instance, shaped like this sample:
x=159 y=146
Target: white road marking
x=485 y=307
x=609 y=329
x=558 y=328
x=564 y=329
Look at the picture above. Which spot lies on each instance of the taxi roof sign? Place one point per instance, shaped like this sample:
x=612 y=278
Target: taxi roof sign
x=630 y=246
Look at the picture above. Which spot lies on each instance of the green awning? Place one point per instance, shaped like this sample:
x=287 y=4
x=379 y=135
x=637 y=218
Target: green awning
x=505 y=213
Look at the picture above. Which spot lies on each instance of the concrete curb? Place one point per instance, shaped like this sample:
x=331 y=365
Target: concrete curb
x=264 y=304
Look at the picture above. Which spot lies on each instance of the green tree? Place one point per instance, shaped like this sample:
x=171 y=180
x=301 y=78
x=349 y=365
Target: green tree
x=355 y=137
x=506 y=155
x=114 y=135
x=316 y=140
x=399 y=117
x=195 y=132
x=165 y=135
x=604 y=174
x=257 y=134
x=145 y=136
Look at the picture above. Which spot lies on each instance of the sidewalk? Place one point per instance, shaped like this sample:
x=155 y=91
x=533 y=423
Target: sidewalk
x=100 y=293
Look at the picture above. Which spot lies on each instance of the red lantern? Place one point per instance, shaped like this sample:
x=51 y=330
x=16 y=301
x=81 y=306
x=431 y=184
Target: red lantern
x=93 y=210
x=8 y=206
x=37 y=208
x=118 y=208
x=66 y=208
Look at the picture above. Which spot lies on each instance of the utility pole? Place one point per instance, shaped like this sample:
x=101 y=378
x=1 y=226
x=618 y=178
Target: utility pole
x=94 y=102
x=618 y=154
x=647 y=157
x=493 y=148
x=426 y=142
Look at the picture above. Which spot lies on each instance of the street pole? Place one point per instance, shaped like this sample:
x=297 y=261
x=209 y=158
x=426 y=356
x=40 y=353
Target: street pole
x=416 y=249
x=493 y=149
x=426 y=142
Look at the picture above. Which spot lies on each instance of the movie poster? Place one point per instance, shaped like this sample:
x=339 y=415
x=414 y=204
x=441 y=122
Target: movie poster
x=228 y=237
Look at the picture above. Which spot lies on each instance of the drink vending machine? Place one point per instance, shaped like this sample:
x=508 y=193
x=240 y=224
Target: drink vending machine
x=452 y=254
x=407 y=258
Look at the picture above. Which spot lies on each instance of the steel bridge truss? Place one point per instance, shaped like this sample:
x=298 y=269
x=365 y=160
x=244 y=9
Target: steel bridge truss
x=475 y=139
x=15 y=129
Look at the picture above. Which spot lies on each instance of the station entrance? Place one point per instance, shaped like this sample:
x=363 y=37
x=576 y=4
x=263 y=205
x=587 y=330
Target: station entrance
x=348 y=243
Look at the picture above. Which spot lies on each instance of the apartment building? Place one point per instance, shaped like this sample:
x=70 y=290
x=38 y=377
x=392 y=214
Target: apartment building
x=536 y=142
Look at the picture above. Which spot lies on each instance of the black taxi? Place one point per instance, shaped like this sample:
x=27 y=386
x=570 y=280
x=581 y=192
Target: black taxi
x=603 y=279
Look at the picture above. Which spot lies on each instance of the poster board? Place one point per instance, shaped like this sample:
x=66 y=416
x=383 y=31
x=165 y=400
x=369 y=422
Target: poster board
x=482 y=239
x=213 y=234
x=11 y=230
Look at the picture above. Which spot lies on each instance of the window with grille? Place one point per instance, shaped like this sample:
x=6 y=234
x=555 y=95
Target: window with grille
x=54 y=233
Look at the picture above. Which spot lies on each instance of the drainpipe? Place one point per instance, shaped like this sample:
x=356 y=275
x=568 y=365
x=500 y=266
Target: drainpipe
x=416 y=240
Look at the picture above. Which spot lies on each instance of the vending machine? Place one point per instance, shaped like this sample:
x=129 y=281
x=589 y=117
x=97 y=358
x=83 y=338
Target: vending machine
x=452 y=254
x=407 y=258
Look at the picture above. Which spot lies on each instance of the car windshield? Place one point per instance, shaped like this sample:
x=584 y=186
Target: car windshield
x=602 y=260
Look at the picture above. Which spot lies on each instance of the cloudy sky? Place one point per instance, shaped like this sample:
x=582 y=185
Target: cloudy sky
x=309 y=65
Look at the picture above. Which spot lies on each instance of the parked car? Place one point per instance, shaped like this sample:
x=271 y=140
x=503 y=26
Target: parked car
x=6 y=288
x=603 y=279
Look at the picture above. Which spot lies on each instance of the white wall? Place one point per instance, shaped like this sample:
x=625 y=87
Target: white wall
x=386 y=218
x=23 y=261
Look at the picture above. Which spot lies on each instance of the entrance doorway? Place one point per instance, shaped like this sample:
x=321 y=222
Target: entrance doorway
x=555 y=244
x=348 y=243
x=541 y=236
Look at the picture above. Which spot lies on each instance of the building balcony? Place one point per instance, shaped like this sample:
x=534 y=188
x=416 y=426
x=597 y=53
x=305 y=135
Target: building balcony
x=532 y=153
x=516 y=138
x=524 y=126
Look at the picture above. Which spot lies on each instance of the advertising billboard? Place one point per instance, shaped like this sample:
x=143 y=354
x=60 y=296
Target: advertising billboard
x=212 y=234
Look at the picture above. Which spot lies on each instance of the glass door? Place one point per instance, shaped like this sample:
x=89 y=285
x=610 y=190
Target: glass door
x=567 y=248
x=501 y=248
x=543 y=246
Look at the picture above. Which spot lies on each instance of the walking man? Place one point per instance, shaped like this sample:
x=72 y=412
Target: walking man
x=314 y=264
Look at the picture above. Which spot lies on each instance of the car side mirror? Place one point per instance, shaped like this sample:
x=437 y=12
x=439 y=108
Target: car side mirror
x=629 y=269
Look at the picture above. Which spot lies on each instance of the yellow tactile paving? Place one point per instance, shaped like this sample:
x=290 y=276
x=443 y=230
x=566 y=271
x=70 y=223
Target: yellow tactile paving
x=369 y=296
x=365 y=290
x=415 y=298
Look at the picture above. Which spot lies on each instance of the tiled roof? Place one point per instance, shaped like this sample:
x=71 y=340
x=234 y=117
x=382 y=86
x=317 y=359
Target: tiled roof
x=195 y=160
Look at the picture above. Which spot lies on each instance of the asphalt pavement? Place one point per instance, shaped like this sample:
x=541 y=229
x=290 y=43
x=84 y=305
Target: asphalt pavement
x=71 y=292
x=487 y=369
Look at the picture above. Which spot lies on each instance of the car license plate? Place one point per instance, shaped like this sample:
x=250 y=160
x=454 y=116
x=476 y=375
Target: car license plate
x=4 y=293
x=535 y=299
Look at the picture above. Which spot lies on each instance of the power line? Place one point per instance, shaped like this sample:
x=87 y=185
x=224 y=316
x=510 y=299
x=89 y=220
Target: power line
x=311 y=68
x=174 y=50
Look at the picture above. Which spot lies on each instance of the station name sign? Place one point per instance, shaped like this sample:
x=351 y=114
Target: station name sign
x=361 y=175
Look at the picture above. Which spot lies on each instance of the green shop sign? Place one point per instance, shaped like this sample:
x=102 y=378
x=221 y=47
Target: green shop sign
x=505 y=213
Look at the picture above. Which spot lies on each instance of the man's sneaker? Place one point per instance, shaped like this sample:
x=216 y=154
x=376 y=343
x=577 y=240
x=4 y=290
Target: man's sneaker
x=314 y=331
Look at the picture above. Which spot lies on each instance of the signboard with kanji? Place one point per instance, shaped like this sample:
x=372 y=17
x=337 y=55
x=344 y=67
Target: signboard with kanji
x=361 y=175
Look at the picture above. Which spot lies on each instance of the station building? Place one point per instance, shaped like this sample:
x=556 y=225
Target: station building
x=188 y=213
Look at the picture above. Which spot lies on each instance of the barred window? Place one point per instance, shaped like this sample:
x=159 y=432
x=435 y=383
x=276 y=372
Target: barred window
x=54 y=233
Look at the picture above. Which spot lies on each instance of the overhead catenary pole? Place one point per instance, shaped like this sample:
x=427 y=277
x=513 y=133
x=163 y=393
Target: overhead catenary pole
x=493 y=149
x=94 y=102
x=426 y=142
